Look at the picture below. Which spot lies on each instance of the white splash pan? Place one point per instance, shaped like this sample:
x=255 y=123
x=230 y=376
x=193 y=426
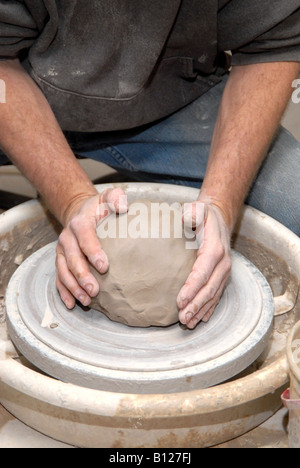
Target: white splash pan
x=85 y=417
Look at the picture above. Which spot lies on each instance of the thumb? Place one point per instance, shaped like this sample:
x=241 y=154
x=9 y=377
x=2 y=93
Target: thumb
x=112 y=201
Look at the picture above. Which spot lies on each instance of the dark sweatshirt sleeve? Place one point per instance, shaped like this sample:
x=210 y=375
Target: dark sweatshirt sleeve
x=18 y=27
x=257 y=31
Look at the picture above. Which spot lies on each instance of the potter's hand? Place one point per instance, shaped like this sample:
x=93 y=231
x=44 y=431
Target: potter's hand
x=79 y=242
x=204 y=287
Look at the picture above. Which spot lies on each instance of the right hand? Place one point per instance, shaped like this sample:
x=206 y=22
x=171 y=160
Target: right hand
x=79 y=244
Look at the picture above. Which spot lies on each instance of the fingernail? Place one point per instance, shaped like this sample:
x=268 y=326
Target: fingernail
x=189 y=317
x=183 y=303
x=69 y=305
x=89 y=288
x=102 y=265
x=84 y=300
x=122 y=206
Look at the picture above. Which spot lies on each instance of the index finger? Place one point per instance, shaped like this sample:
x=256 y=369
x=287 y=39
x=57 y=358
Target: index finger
x=90 y=245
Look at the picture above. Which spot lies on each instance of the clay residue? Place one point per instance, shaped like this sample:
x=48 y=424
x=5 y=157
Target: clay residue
x=2 y=309
x=279 y=276
x=274 y=268
x=20 y=243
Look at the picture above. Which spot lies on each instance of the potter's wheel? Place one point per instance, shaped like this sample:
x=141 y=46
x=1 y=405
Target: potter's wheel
x=85 y=348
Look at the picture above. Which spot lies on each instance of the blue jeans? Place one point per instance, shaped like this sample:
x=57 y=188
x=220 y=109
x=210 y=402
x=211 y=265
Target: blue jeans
x=175 y=150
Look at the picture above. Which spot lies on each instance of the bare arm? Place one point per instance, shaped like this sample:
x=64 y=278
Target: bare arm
x=252 y=106
x=31 y=137
x=33 y=140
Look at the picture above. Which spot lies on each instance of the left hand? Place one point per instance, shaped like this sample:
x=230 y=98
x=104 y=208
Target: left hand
x=204 y=287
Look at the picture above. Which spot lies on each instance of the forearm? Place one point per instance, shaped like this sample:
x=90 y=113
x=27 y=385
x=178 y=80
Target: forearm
x=252 y=106
x=31 y=137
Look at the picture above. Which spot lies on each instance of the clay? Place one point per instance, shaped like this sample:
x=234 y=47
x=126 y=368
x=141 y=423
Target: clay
x=145 y=273
x=27 y=237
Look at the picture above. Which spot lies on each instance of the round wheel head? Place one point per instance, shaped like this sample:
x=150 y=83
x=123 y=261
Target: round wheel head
x=85 y=348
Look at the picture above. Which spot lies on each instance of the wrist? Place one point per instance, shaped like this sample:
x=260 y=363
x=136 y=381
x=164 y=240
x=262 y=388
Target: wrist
x=226 y=208
x=75 y=204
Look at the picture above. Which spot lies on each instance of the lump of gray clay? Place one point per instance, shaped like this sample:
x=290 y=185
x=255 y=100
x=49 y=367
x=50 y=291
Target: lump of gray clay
x=148 y=267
